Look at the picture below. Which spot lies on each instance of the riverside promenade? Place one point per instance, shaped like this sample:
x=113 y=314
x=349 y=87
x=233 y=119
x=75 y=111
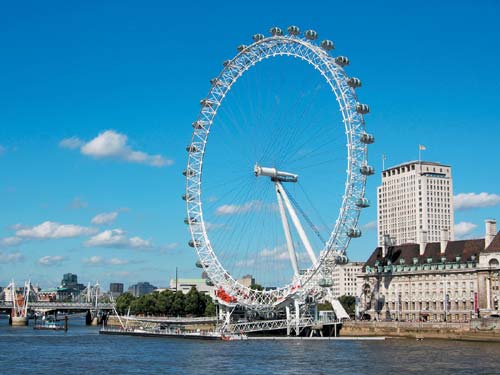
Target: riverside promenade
x=475 y=330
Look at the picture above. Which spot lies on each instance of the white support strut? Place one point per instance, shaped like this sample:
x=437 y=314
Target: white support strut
x=286 y=229
x=296 y=222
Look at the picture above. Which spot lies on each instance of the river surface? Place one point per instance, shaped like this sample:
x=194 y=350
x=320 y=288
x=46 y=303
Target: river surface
x=82 y=350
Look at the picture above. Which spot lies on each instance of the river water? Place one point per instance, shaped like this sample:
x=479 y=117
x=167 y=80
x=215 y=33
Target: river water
x=82 y=350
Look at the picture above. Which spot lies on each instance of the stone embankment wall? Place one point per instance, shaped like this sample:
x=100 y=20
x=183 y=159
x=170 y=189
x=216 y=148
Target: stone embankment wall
x=113 y=321
x=476 y=330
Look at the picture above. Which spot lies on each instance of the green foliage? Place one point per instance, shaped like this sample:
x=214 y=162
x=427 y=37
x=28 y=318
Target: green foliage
x=123 y=302
x=256 y=287
x=349 y=304
x=327 y=306
x=167 y=303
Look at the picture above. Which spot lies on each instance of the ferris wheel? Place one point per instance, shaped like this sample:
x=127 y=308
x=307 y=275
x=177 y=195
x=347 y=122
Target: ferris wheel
x=224 y=247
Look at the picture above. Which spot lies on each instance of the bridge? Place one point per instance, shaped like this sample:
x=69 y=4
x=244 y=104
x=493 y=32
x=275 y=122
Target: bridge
x=50 y=306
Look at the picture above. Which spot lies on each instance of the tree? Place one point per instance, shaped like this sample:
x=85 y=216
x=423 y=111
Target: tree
x=256 y=286
x=210 y=308
x=349 y=304
x=177 y=308
x=123 y=302
x=192 y=302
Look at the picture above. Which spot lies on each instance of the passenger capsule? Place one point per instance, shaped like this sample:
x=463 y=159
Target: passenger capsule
x=354 y=232
x=187 y=197
x=206 y=103
x=367 y=170
x=311 y=35
x=198 y=264
x=276 y=31
x=192 y=243
x=209 y=282
x=327 y=45
x=325 y=283
x=190 y=220
x=354 y=82
x=257 y=37
x=342 y=259
x=226 y=63
x=188 y=172
x=241 y=47
x=198 y=124
x=215 y=82
x=293 y=30
x=191 y=148
x=367 y=138
x=362 y=203
x=362 y=108
x=342 y=60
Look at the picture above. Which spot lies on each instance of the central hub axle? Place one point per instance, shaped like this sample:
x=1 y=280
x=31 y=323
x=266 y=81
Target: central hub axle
x=275 y=174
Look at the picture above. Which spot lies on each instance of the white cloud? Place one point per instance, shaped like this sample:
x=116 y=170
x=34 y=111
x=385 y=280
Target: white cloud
x=117 y=238
x=11 y=257
x=105 y=218
x=371 y=225
x=94 y=260
x=231 y=209
x=71 y=143
x=279 y=252
x=50 y=229
x=465 y=201
x=117 y=261
x=464 y=228
x=10 y=241
x=97 y=260
x=245 y=263
x=113 y=145
x=50 y=260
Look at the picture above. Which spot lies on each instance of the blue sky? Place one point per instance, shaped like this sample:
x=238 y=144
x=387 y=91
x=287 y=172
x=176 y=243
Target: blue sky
x=132 y=74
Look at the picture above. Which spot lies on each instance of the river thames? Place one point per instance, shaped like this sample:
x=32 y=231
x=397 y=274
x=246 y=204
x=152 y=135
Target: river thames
x=82 y=350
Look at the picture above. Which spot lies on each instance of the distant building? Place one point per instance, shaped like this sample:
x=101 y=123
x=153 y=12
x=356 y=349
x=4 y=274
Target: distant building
x=185 y=285
x=345 y=280
x=437 y=281
x=116 y=289
x=415 y=201
x=247 y=280
x=141 y=289
x=70 y=283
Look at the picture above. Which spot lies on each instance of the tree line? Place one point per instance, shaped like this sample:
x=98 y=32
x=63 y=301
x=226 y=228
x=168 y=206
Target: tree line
x=167 y=303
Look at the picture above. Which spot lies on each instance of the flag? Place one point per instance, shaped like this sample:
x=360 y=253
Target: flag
x=421 y=147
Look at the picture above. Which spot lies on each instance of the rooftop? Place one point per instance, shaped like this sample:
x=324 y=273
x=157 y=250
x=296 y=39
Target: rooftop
x=422 y=162
x=467 y=250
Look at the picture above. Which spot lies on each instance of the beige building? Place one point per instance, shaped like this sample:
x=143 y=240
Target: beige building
x=185 y=286
x=415 y=200
x=345 y=279
x=436 y=281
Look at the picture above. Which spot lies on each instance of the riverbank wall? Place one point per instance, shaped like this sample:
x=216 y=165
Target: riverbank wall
x=192 y=325
x=475 y=330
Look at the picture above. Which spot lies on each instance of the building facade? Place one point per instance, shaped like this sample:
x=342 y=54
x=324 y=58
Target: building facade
x=415 y=200
x=437 y=281
x=116 y=289
x=141 y=289
x=345 y=280
x=185 y=285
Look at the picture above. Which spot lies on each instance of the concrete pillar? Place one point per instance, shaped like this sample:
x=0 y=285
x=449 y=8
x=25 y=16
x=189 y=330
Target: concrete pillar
x=491 y=231
x=488 y=293
x=445 y=237
x=287 y=309
x=297 y=318
x=423 y=241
